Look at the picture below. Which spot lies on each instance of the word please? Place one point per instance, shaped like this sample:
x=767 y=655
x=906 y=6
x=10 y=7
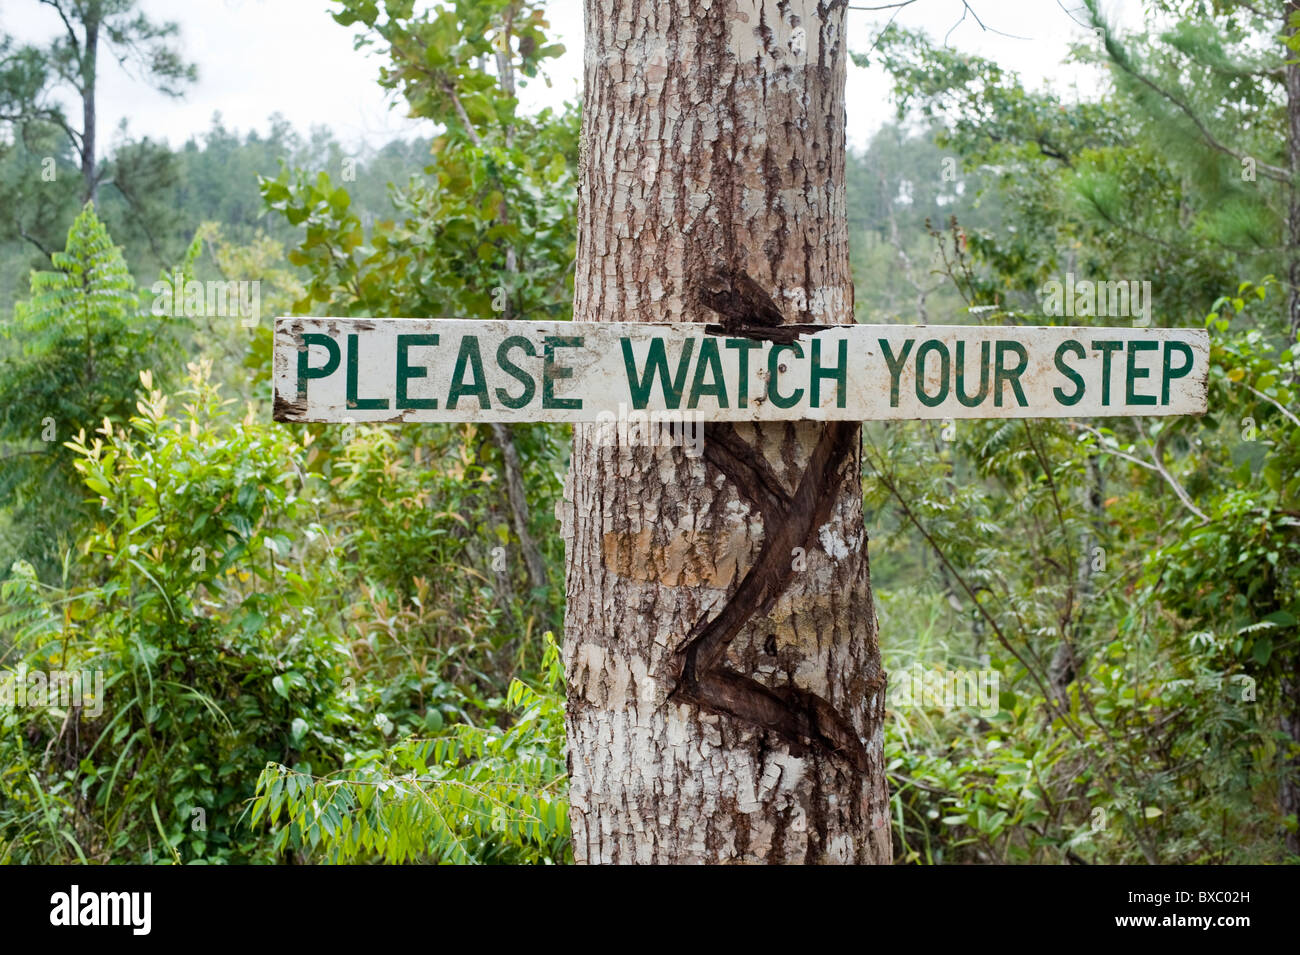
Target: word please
x=332 y=369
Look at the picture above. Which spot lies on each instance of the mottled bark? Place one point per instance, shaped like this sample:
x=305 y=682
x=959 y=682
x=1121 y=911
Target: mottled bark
x=713 y=145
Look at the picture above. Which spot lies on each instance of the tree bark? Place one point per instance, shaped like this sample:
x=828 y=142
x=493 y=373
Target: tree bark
x=517 y=497
x=726 y=695
x=89 y=81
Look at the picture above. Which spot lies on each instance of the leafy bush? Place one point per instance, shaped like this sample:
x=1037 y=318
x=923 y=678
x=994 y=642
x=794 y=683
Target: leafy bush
x=244 y=608
x=474 y=794
x=1145 y=635
x=217 y=636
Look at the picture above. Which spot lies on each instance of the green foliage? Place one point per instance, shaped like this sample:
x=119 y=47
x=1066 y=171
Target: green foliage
x=436 y=53
x=1136 y=592
x=243 y=609
x=420 y=516
x=488 y=230
x=226 y=637
x=72 y=355
x=70 y=60
x=216 y=649
x=1080 y=189
x=489 y=233
x=898 y=188
x=473 y=795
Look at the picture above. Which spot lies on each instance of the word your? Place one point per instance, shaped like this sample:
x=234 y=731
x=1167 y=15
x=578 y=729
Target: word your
x=946 y=689
x=1087 y=299
x=102 y=908
x=646 y=429
x=62 y=688
x=212 y=299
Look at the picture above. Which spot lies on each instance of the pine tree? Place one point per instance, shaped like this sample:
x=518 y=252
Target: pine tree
x=1212 y=95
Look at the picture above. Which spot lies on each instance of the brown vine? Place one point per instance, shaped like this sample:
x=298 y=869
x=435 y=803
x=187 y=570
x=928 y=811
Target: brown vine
x=790 y=520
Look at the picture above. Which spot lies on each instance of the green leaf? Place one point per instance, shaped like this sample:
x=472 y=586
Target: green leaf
x=1263 y=649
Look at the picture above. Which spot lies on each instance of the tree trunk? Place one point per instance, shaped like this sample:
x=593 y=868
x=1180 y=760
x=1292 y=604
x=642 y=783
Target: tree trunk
x=517 y=497
x=89 y=80
x=726 y=695
x=1292 y=69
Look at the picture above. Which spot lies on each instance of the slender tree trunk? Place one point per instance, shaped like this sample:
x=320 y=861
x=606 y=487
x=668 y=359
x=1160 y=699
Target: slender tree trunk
x=1067 y=661
x=502 y=435
x=517 y=497
x=89 y=69
x=726 y=695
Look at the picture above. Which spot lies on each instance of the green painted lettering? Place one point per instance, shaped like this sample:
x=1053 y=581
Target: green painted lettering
x=895 y=367
x=639 y=387
x=515 y=372
x=1170 y=372
x=966 y=400
x=1070 y=345
x=839 y=375
x=405 y=372
x=773 y=373
x=1003 y=374
x=305 y=371
x=1106 y=347
x=468 y=357
x=551 y=372
x=743 y=345
x=353 y=400
x=1134 y=372
x=933 y=345
x=709 y=359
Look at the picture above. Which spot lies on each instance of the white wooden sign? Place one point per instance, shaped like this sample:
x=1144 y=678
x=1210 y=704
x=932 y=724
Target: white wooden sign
x=408 y=369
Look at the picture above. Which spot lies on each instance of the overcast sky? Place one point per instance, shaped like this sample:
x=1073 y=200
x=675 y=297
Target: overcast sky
x=258 y=57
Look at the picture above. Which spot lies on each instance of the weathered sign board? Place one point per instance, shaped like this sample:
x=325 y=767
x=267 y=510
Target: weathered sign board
x=406 y=369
